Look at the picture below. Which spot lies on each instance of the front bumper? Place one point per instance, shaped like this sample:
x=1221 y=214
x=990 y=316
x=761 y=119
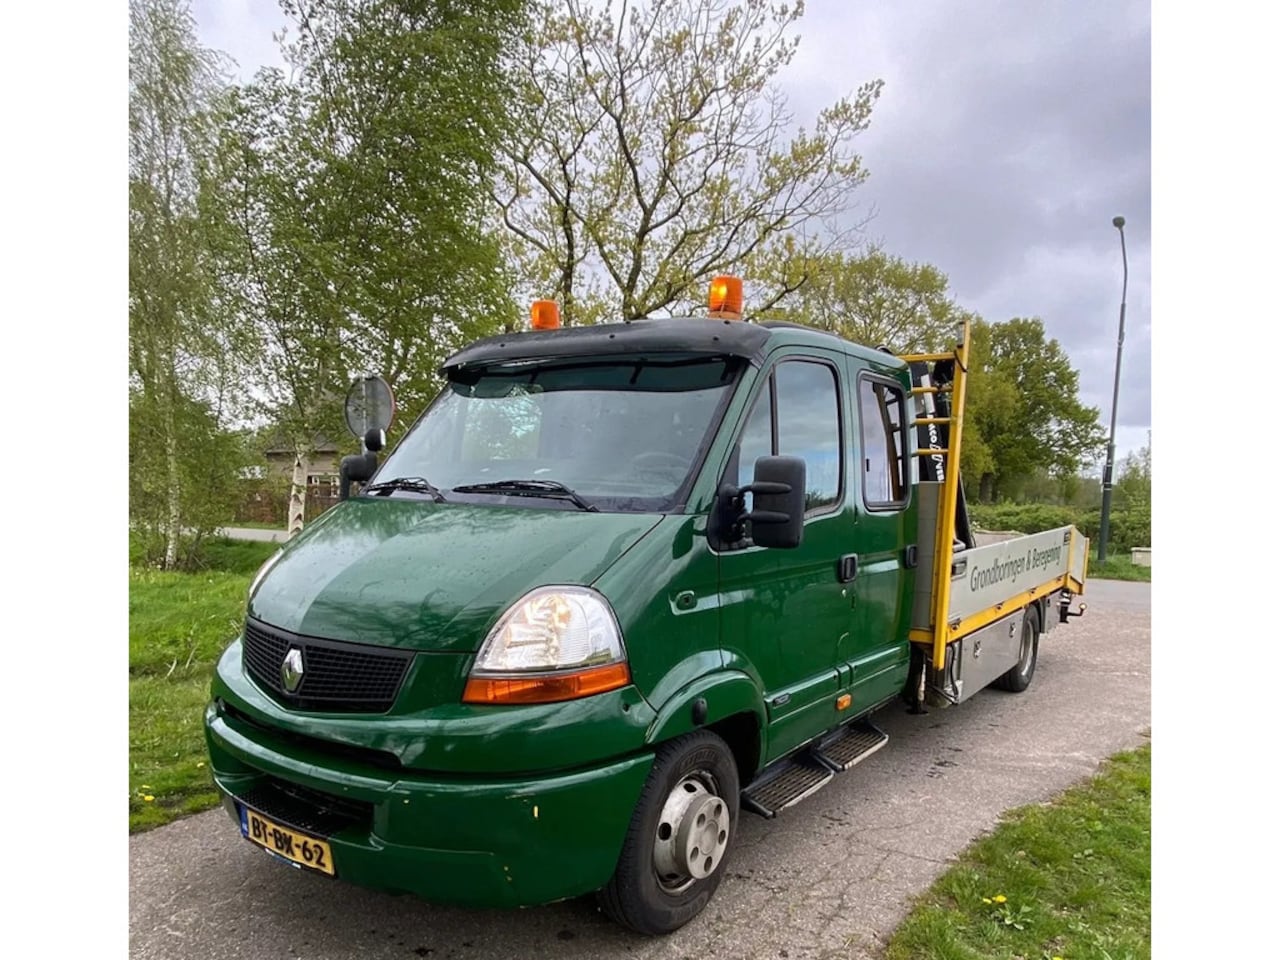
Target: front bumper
x=450 y=838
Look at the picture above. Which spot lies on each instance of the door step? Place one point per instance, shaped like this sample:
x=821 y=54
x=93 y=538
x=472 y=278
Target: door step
x=803 y=774
x=850 y=745
x=795 y=778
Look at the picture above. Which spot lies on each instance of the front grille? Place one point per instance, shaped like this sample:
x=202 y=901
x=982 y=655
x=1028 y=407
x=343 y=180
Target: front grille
x=336 y=676
x=305 y=809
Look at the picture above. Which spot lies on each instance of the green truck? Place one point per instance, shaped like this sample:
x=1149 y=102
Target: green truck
x=616 y=585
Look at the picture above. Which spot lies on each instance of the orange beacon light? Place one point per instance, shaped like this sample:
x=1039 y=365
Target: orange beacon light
x=545 y=315
x=725 y=298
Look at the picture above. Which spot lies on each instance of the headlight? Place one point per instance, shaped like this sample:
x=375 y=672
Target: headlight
x=555 y=643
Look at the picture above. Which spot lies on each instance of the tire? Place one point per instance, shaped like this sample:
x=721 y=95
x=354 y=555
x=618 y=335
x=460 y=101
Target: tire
x=1019 y=676
x=654 y=890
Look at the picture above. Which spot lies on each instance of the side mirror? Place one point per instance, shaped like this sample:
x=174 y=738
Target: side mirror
x=369 y=408
x=370 y=405
x=777 y=514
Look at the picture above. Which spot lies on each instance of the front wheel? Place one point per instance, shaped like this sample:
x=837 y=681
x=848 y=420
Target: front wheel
x=676 y=846
x=1019 y=676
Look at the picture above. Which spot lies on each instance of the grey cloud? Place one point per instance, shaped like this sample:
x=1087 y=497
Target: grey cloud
x=1007 y=137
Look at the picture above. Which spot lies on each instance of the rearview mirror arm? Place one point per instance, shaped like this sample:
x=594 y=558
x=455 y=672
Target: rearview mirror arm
x=357 y=466
x=737 y=515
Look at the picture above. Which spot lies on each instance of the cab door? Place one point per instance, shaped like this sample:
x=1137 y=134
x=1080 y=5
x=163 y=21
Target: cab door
x=877 y=649
x=785 y=613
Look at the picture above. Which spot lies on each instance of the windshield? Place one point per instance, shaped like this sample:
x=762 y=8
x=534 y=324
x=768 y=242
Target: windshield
x=622 y=435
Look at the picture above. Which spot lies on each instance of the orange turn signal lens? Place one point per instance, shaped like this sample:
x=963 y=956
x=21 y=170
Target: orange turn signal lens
x=548 y=688
x=843 y=701
x=725 y=300
x=545 y=315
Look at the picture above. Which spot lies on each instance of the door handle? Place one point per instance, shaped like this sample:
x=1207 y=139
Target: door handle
x=847 y=568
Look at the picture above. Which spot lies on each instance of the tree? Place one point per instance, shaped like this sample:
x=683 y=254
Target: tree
x=1025 y=425
x=873 y=298
x=1133 y=481
x=655 y=152
x=1131 y=520
x=1023 y=409
x=354 y=212
x=209 y=467
x=177 y=357
x=881 y=300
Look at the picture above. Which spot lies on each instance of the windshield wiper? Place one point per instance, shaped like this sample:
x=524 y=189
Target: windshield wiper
x=551 y=489
x=416 y=484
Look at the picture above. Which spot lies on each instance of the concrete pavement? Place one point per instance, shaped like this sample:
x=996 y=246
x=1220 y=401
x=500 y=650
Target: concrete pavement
x=830 y=878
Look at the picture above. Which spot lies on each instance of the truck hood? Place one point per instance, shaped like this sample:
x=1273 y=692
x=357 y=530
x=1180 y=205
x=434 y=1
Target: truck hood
x=432 y=577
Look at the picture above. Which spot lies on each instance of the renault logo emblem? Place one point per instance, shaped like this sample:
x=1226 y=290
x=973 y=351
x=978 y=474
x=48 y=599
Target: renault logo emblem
x=291 y=670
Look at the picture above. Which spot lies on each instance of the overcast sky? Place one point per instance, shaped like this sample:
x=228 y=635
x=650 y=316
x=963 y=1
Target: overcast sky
x=1008 y=135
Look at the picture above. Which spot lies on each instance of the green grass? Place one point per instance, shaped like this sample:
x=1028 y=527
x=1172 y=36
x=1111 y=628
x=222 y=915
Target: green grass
x=1074 y=875
x=236 y=556
x=214 y=553
x=1117 y=567
x=179 y=623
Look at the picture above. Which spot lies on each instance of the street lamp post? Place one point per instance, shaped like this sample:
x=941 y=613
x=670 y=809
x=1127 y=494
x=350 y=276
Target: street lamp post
x=1109 y=469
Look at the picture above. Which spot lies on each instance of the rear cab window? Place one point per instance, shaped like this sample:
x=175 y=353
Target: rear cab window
x=882 y=461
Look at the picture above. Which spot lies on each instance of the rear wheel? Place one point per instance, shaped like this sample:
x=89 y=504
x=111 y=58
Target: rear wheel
x=676 y=846
x=1019 y=676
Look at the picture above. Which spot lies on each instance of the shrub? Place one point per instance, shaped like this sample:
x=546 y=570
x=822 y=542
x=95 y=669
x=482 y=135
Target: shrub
x=1130 y=527
x=1023 y=517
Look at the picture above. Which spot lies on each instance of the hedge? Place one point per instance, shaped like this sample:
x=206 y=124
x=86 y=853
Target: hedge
x=1130 y=527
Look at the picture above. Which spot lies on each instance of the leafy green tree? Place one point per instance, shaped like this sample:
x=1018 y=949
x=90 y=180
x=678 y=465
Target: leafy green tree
x=180 y=356
x=277 y=252
x=1026 y=431
x=353 y=213
x=1024 y=410
x=1074 y=490
x=1132 y=499
x=655 y=152
x=210 y=470
x=872 y=298
x=1133 y=479
x=990 y=399
x=878 y=299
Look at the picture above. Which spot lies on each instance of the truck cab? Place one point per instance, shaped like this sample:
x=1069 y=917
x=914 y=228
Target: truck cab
x=615 y=585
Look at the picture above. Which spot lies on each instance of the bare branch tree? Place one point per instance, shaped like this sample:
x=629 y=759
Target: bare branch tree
x=657 y=153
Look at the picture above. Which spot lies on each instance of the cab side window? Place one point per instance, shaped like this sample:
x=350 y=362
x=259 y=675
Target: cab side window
x=757 y=436
x=803 y=421
x=883 y=461
x=809 y=428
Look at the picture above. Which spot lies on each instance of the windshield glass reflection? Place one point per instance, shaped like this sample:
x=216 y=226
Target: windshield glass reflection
x=621 y=435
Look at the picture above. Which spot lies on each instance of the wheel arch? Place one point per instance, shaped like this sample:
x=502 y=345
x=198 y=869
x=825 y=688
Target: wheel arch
x=729 y=704
x=1040 y=607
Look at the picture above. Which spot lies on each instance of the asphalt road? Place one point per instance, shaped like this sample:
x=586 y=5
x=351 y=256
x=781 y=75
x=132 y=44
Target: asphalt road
x=830 y=878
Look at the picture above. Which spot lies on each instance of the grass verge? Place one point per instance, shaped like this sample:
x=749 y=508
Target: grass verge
x=1117 y=567
x=179 y=623
x=1070 y=879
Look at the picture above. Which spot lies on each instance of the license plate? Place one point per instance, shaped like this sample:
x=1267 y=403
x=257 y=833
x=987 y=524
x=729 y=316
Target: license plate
x=297 y=848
